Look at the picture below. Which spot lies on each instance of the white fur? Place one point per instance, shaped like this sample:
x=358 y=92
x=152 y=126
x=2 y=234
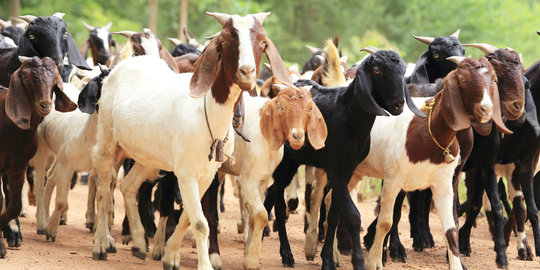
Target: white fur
x=103 y=34
x=150 y=45
x=145 y=108
x=245 y=48
x=387 y=159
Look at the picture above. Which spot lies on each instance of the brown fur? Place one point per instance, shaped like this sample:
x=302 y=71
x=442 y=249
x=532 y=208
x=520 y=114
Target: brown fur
x=186 y=62
x=292 y=108
x=31 y=85
x=455 y=107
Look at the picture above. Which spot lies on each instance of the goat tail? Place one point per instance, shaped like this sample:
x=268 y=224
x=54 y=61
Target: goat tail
x=333 y=76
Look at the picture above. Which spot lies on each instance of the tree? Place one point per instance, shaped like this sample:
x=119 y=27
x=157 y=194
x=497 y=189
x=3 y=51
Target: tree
x=153 y=16
x=183 y=20
x=14 y=8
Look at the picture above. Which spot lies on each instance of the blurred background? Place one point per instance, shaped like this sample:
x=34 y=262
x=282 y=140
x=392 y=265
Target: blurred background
x=358 y=23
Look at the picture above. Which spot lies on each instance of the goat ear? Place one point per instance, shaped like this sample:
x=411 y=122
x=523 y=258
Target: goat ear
x=74 y=55
x=316 y=129
x=18 y=107
x=496 y=115
x=453 y=110
x=410 y=103
x=530 y=112
x=84 y=48
x=87 y=101
x=270 y=125
x=205 y=69
x=363 y=86
x=279 y=70
x=62 y=103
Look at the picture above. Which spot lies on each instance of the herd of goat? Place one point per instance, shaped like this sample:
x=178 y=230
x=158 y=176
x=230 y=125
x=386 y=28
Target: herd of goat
x=184 y=119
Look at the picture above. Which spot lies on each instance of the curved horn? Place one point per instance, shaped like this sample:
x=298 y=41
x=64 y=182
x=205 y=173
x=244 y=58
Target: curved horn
x=108 y=26
x=127 y=34
x=59 y=15
x=222 y=18
x=261 y=16
x=312 y=49
x=426 y=40
x=279 y=86
x=268 y=66
x=175 y=41
x=28 y=18
x=88 y=27
x=484 y=47
x=3 y=24
x=24 y=59
x=102 y=67
x=456 y=59
x=186 y=33
x=370 y=49
x=456 y=34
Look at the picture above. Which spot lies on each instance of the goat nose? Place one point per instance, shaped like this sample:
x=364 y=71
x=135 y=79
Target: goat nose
x=246 y=70
x=486 y=109
x=399 y=104
x=518 y=105
x=297 y=135
x=45 y=105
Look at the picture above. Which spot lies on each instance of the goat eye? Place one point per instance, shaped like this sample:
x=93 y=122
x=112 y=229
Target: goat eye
x=280 y=107
x=310 y=109
x=65 y=34
x=377 y=71
x=32 y=37
x=436 y=55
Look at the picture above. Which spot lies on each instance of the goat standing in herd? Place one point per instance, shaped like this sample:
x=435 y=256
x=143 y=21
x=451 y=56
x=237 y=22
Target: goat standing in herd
x=201 y=124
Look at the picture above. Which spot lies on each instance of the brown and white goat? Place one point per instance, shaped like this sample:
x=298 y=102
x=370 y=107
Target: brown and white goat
x=100 y=43
x=429 y=145
x=24 y=103
x=228 y=66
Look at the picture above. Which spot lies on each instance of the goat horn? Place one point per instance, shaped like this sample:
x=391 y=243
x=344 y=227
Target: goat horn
x=268 y=66
x=102 y=67
x=279 y=86
x=108 y=26
x=370 y=49
x=321 y=58
x=213 y=36
x=312 y=49
x=186 y=33
x=484 y=47
x=426 y=40
x=28 y=18
x=59 y=15
x=175 y=41
x=3 y=24
x=456 y=34
x=222 y=18
x=127 y=34
x=455 y=59
x=510 y=49
x=88 y=27
x=294 y=67
x=24 y=59
x=261 y=16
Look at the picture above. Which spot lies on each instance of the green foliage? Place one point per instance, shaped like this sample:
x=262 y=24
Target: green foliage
x=384 y=24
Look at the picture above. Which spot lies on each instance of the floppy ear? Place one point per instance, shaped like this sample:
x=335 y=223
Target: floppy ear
x=410 y=103
x=84 y=48
x=316 y=129
x=168 y=58
x=270 y=125
x=363 y=86
x=26 y=48
x=496 y=116
x=62 y=103
x=89 y=97
x=279 y=70
x=530 y=112
x=18 y=107
x=453 y=110
x=74 y=55
x=206 y=68
x=420 y=75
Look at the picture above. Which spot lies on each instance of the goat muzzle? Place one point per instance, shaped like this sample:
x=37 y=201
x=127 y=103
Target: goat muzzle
x=513 y=109
x=246 y=77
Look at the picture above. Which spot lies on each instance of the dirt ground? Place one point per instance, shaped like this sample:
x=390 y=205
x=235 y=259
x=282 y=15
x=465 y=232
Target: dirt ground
x=73 y=246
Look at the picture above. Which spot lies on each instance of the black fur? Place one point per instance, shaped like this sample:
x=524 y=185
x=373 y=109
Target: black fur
x=184 y=48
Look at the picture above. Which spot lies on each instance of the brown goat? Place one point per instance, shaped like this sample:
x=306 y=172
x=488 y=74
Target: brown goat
x=24 y=104
x=186 y=62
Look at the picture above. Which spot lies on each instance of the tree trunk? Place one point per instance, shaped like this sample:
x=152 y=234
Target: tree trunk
x=183 y=20
x=14 y=8
x=153 y=16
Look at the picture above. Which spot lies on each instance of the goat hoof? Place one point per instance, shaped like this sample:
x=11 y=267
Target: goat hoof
x=11 y=243
x=156 y=257
x=167 y=266
x=102 y=256
x=502 y=263
x=62 y=222
x=41 y=231
x=345 y=252
x=240 y=227
x=398 y=254
x=136 y=252
x=111 y=249
x=310 y=258
x=287 y=260
x=266 y=231
x=90 y=226
x=52 y=238
x=3 y=251
x=125 y=239
x=292 y=204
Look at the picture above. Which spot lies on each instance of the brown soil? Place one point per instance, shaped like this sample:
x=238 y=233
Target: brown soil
x=73 y=246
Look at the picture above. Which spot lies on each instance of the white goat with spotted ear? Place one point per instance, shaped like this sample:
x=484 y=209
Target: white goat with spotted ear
x=177 y=122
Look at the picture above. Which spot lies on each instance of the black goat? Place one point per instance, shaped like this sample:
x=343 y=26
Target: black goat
x=349 y=113
x=181 y=48
x=45 y=36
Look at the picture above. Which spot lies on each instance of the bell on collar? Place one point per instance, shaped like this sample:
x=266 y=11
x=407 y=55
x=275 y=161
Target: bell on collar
x=448 y=157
